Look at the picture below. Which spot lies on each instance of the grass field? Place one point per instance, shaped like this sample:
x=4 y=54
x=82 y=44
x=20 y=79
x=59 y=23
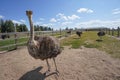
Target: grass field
x=115 y=33
x=11 y=42
x=88 y=39
x=91 y=40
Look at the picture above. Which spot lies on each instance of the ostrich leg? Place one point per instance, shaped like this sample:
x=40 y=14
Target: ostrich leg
x=48 y=65
x=55 y=65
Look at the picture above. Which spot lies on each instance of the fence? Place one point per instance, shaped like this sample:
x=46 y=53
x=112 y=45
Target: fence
x=13 y=40
x=113 y=32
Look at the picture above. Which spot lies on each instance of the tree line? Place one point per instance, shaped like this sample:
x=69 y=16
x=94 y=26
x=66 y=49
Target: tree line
x=42 y=28
x=9 y=26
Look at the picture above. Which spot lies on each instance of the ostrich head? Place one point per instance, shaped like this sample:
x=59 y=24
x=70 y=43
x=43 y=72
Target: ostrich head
x=29 y=13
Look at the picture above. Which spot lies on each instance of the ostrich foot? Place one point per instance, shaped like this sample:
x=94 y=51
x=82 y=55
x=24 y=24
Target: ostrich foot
x=47 y=72
x=57 y=72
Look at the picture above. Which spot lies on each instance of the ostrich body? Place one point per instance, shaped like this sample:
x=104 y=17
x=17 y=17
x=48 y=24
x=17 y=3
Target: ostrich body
x=79 y=33
x=42 y=47
x=100 y=34
x=69 y=31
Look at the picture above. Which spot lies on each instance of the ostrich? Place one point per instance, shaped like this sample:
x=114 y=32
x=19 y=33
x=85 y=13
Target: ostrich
x=69 y=31
x=79 y=33
x=42 y=47
x=100 y=34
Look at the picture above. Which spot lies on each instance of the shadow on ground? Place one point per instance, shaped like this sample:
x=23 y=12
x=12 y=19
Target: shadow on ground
x=76 y=38
x=36 y=75
x=99 y=40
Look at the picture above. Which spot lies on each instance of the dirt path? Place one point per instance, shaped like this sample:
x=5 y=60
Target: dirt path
x=73 y=64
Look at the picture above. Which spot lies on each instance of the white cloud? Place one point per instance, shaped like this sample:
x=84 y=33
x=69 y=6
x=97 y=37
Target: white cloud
x=73 y=17
x=99 y=23
x=1 y=17
x=53 y=20
x=116 y=11
x=49 y=24
x=37 y=23
x=61 y=16
x=42 y=19
x=22 y=21
x=66 y=23
x=19 y=22
x=84 y=10
x=86 y=24
x=15 y=21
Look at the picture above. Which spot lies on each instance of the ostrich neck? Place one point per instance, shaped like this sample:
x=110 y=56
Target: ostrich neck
x=31 y=29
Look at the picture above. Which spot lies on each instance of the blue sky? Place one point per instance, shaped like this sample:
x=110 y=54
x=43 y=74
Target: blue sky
x=63 y=13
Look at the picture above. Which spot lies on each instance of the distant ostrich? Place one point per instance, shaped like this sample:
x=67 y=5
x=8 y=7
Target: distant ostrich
x=69 y=31
x=100 y=34
x=79 y=33
x=42 y=47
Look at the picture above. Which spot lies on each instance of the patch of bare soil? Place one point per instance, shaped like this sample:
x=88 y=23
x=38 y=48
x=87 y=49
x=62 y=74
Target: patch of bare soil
x=73 y=64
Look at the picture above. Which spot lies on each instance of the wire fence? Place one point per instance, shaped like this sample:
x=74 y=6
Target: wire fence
x=113 y=32
x=11 y=41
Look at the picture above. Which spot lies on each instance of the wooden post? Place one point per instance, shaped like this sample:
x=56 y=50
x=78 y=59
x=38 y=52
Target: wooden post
x=52 y=31
x=43 y=32
x=109 y=31
x=60 y=31
x=118 y=32
x=106 y=30
x=15 y=38
x=28 y=34
x=112 y=31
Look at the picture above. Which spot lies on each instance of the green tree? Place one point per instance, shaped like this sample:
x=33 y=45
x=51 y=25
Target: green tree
x=35 y=28
x=9 y=26
x=21 y=28
x=17 y=27
x=49 y=29
x=1 y=24
x=66 y=28
x=45 y=28
x=41 y=28
x=24 y=27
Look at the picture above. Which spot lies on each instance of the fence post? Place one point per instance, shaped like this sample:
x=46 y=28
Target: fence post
x=15 y=35
x=28 y=34
x=109 y=31
x=8 y=46
x=112 y=31
x=106 y=30
x=60 y=31
x=15 y=41
x=52 y=31
x=118 y=32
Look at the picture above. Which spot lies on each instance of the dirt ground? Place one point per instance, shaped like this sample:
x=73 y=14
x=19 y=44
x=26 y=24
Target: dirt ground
x=73 y=64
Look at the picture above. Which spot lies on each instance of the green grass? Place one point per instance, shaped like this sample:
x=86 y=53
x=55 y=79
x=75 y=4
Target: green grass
x=87 y=39
x=90 y=40
x=10 y=42
x=115 y=33
x=6 y=42
x=23 y=40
